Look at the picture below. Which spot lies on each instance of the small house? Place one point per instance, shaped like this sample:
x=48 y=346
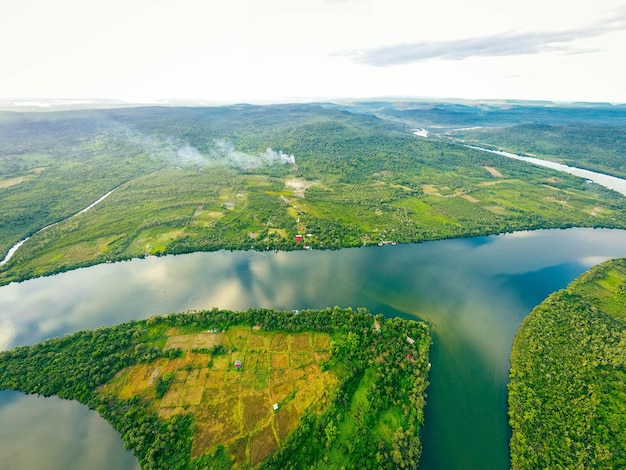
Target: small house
x=238 y=364
x=298 y=238
x=410 y=340
x=275 y=406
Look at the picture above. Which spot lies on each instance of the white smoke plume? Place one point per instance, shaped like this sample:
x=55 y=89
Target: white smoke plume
x=224 y=152
x=189 y=155
x=221 y=152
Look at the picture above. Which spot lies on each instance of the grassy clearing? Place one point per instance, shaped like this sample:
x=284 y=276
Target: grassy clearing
x=8 y=182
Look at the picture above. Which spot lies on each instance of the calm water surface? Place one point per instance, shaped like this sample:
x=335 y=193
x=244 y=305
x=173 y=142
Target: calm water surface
x=473 y=292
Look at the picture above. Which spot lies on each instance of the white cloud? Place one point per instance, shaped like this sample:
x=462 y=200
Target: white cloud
x=496 y=45
x=279 y=49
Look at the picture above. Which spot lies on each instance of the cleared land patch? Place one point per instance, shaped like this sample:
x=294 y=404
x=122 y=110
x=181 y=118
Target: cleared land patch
x=493 y=172
x=469 y=198
x=7 y=183
x=299 y=186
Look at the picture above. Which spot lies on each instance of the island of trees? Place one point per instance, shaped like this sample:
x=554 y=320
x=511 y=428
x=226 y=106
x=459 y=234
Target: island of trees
x=255 y=389
x=567 y=402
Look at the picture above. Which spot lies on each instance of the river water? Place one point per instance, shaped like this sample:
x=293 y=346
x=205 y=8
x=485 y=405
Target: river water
x=473 y=292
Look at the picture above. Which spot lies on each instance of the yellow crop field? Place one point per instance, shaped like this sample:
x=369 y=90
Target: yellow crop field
x=232 y=393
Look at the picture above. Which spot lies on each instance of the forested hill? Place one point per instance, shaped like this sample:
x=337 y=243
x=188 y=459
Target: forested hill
x=567 y=404
x=280 y=177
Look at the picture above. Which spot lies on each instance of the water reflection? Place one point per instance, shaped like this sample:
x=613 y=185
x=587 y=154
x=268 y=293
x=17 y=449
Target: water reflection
x=57 y=434
x=474 y=293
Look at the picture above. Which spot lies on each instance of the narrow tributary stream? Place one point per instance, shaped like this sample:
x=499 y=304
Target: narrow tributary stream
x=17 y=246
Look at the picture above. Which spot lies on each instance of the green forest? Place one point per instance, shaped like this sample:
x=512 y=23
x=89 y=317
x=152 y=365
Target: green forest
x=567 y=405
x=280 y=177
x=348 y=387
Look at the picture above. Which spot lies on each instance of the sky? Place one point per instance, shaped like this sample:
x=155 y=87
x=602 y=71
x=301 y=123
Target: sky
x=293 y=50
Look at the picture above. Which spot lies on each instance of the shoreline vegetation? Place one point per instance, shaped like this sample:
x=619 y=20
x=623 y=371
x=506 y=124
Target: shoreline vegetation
x=281 y=177
x=337 y=387
x=567 y=406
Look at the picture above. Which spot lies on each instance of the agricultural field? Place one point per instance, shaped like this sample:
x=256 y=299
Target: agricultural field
x=231 y=382
x=257 y=177
x=256 y=389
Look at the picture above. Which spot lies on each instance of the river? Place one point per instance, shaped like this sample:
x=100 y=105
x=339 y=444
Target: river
x=611 y=182
x=473 y=292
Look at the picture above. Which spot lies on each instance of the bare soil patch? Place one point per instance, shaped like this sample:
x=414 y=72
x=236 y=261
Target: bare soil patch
x=469 y=198
x=298 y=186
x=495 y=173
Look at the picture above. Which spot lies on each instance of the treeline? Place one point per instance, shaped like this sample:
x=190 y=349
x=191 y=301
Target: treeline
x=567 y=405
x=381 y=363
